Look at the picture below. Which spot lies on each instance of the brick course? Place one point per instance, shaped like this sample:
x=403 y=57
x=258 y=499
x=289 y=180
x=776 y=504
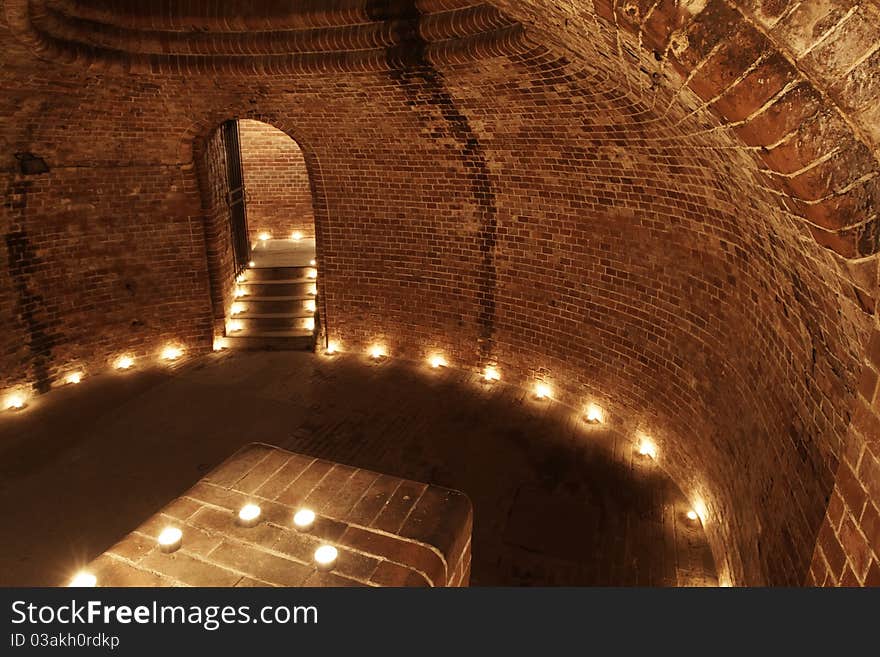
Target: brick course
x=605 y=195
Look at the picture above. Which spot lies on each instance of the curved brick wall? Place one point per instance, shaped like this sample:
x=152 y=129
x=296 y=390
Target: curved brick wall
x=611 y=201
x=276 y=180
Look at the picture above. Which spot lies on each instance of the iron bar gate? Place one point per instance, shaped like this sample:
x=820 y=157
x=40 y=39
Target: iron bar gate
x=235 y=197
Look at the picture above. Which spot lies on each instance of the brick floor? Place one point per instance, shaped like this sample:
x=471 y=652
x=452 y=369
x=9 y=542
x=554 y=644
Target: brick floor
x=556 y=502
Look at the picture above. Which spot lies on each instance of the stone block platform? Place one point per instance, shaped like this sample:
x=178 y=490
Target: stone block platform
x=388 y=531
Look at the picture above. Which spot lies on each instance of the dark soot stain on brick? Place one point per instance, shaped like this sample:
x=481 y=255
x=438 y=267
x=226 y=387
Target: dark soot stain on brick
x=415 y=74
x=23 y=262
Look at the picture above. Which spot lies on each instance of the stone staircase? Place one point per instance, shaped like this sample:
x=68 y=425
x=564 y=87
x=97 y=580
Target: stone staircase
x=274 y=309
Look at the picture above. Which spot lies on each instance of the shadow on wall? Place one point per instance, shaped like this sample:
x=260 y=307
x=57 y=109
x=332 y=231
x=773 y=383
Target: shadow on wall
x=42 y=333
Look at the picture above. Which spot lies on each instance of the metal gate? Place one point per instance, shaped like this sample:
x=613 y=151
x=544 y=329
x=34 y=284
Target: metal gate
x=235 y=197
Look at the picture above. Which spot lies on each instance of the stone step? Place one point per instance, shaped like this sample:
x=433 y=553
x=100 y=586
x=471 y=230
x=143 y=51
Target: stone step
x=272 y=340
x=273 y=322
x=263 y=305
x=279 y=273
x=287 y=287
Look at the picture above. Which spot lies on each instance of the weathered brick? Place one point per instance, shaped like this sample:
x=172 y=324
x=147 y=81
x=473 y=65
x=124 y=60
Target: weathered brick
x=261 y=565
x=856 y=547
x=851 y=489
x=869 y=474
x=276 y=485
x=870 y=525
x=832 y=550
x=296 y=493
x=390 y=574
x=418 y=557
x=190 y=571
x=373 y=500
x=398 y=507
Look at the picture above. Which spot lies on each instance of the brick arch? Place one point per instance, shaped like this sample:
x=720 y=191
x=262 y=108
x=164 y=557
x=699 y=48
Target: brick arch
x=193 y=146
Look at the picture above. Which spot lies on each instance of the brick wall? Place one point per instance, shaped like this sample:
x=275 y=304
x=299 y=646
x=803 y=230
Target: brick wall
x=279 y=198
x=848 y=548
x=212 y=174
x=541 y=201
x=99 y=261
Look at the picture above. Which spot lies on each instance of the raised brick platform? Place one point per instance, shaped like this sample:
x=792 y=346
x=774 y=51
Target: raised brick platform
x=388 y=531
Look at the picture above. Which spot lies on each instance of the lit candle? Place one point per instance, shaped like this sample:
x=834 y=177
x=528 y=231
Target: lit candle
x=437 y=362
x=595 y=414
x=647 y=448
x=171 y=353
x=234 y=326
x=491 y=374
x=542 y=391
x=332 y=348
x=325 y=557
x=15 y=402
x=309 y=324
x=249 y=515
x=297 y=236
x=310 y=305
x=692 y=515
x=252 y=264
x=170 y=539
x=377 y=352
x=83 y=579
x=238 y=308
x=312 y=273
x=124 y=362
x=264 y=237
x=304 y=519
x=74 y=378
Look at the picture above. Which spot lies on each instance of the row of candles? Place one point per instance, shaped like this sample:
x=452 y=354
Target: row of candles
x=542 y=391
x=593 y=414
x=265 y=236
x=170 y=539
x=17 y=401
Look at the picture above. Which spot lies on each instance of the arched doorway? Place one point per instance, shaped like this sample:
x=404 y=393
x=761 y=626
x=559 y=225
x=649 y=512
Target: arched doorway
x=261 y=238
